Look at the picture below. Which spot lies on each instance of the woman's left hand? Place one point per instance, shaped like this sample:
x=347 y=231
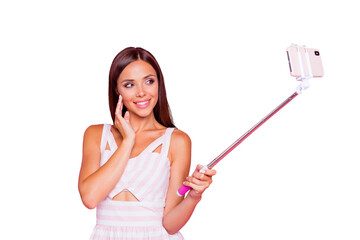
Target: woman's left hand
x=199 y=182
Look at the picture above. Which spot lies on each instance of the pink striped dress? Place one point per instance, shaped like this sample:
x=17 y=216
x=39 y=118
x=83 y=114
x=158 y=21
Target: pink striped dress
x=147 y=178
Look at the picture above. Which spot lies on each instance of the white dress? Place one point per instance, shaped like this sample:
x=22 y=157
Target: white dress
x=147 y=178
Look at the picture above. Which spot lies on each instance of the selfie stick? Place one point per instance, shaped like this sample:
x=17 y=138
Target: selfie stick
x=304 y=85
x=182 y=190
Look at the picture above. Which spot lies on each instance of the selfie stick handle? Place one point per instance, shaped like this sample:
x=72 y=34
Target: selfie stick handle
x=184 y=189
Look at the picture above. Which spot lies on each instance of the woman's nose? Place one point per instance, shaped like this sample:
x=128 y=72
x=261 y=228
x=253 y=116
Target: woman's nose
x=140 y=92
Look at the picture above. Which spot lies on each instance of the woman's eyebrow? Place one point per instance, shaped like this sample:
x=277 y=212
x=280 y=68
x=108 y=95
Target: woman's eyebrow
x=131 y=80
x=150 y=75
x=127 y=80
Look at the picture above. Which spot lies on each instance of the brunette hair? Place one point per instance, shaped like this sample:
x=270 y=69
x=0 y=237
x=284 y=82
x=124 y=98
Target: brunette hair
x=161 y=110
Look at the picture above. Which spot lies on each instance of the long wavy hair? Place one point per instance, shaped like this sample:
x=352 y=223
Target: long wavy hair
x=161 y=110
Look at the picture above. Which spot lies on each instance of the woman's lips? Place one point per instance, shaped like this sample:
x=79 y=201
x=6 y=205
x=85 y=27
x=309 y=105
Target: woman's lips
x=143 y=104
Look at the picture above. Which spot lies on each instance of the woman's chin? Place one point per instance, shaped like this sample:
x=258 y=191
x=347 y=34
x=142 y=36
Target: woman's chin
x=142 y=114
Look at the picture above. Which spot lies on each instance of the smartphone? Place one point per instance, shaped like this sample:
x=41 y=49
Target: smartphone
x=304 y=62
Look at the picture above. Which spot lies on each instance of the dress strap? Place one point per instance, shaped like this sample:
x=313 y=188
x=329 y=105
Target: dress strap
x=166 y=142
x=111 y=140
x=104 y=137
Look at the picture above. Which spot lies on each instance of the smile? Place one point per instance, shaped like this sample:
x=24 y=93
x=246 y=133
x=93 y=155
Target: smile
x=143 y=104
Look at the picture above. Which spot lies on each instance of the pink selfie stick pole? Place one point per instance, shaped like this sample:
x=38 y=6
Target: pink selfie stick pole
x=184 y=189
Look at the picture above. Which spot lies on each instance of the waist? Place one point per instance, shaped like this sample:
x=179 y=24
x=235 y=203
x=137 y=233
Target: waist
x=129 y=214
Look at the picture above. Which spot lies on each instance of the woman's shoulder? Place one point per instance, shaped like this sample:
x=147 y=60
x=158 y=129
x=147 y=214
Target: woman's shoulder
x=180 y=147
x=180 y=138
x=94 y=128
x=94 y=131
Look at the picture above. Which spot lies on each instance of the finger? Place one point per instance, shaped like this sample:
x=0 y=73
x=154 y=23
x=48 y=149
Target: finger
x=206 y=171
x=201 y=176
x=194 y=180
x=127 y=116
x=119 y=106
x=201 y=183
x=210 y=172
x=196 y=187
x=199 y=167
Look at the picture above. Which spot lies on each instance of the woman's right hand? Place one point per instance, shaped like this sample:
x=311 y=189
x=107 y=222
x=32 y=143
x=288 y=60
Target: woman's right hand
x=123 y=123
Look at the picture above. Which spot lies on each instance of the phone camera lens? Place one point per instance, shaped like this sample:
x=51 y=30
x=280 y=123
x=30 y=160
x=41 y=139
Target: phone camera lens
x=317 y=53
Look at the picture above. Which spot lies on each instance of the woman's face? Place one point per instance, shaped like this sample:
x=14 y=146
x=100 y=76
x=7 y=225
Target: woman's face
x=138 y=86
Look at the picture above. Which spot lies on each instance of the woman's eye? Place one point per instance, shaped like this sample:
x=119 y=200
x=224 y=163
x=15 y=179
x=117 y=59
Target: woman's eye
x=128 y=85
x=150 y=81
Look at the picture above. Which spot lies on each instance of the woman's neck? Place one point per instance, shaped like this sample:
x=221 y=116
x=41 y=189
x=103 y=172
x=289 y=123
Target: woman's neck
x=140 y=124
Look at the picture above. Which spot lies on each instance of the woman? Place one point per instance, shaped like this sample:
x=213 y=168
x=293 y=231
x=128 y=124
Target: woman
x=132 y=169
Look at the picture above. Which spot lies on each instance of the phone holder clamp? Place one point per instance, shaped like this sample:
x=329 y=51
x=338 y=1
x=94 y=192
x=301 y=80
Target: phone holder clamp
x=304 y=78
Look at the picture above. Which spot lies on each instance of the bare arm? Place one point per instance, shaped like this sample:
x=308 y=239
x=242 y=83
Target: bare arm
x=177 y=209
x=96 y=182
